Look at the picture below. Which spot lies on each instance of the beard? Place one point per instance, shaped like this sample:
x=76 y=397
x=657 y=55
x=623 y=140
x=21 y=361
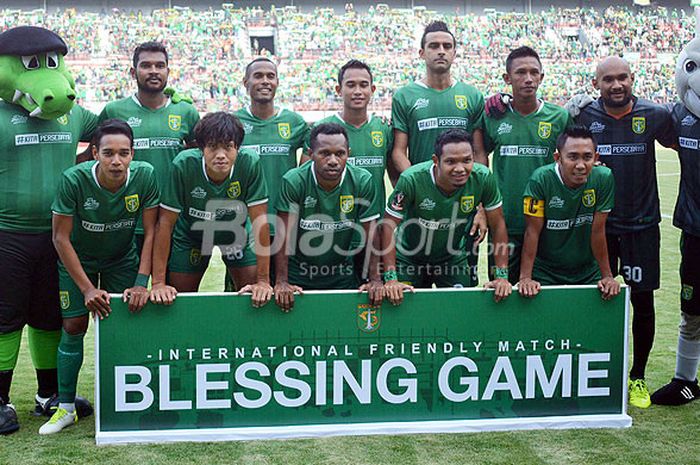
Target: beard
x=617 y=103
x=143 y=87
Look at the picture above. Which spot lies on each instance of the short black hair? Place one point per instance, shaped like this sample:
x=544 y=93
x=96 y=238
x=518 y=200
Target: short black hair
x=436 y=26
x=327 y=129
x=218 y=128
x=149 y=47
x=521 y=52
x=354 y=64
x=112 y=126
x=452 y=136
x=576 y=131
x=257 y=60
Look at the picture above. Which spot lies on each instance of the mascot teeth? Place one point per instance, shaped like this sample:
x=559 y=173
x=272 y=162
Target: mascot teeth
x=36 y=112
x=30 y=99
x=18 y=95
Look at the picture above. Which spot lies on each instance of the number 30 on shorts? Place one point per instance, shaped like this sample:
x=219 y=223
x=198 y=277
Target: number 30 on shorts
x=632 y=273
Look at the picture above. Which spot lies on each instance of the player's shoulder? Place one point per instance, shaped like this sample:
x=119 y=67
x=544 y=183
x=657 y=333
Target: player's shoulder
x=77 y=174
x=465 y=88
x=247 y=156
x=188 y=157
x=415 y=172
x=481 y=171
x=329 y=119
x=377 y=123
x=409 y=90
x=141 y=167
x=555 y=110
x=601 y=174
x=291 y=116
x=360 y=176
x=543 y=173
x=299 y=174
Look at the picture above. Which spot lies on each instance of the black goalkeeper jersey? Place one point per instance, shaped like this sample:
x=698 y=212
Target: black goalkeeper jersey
x=687 y=213
x=626 y=146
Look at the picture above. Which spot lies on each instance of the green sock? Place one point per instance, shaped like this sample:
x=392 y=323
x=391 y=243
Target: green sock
x=70 y=359
x=43 y=346
x=9 y=350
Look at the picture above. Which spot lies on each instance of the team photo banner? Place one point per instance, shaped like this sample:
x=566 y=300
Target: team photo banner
x=211 y=367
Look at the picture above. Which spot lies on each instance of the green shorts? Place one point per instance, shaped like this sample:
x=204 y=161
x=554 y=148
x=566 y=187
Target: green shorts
x=112 y=276
x=186 y=256
x=548 y=277
x=454 y=272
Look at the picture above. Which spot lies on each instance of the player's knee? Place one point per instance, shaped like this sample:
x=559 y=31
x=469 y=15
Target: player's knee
x=690 y=327
x=75 y=326
x=643 y=302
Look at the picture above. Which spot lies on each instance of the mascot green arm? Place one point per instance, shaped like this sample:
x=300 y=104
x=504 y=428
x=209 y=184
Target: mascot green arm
x=175 y=97
x=33 y=72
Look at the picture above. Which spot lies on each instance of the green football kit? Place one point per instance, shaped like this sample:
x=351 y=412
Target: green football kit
x=564 y=253
x=430 y=238
x=104 y=224
x=190 y=192
x=323 y=246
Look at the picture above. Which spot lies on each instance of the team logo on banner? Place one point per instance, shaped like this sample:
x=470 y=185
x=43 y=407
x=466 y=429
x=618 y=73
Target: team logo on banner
x=368 y=318
x=544 y=130
x=461 y=102
x=687 y=292
x=347 y=203
x=65 y=299
x=62 y=119
x=466 y=203
x=588 y=198
x=639 y=124
x=377 y=138
x=132 y=203
x=234 y=190
x=174 y=122
x=284 y=130
x=195 y=257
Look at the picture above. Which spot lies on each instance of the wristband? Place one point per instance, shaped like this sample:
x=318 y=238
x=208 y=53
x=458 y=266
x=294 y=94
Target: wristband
x=501 y=273
x=390 y=275
x=141 y=280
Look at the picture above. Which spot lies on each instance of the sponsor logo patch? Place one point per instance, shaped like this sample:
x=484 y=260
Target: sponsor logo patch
x=284 y=130
x=198 y=193
x=687 y=292
x=639 y=124
x=134 y=122
x=175 y=122
x=556 y=202
x=544 y=130
x=588 y=198
x=597 y=127
x=689 y=120
x=65 y=299
x=420 y=103
x=347 y=203
x=91 y=204
x=461 y=102
x=62 y=120
x=427 y=204
x=234 y=190
x=310 y=202
x=466 y=203
x=504 y=128
x=377 y=138
x=18 y=119
x=132 y=203
x=397 y=202
x=195 y=257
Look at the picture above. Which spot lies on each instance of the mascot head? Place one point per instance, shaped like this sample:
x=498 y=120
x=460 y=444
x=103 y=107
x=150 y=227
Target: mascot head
x=33 y=74
x=688 y=76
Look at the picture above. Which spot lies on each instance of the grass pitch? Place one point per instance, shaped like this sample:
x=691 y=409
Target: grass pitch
x=659 y=435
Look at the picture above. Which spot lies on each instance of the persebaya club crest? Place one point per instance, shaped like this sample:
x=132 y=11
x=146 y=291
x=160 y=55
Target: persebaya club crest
x=65 y=299
x=234 y=190
x=174 y=122
x=195 y=257
x=368 y=318
x=544 y=130
x=466 y=203
x=588 y=198
x=347 y=203
x=639 y=124
x=687 y=292
x=377 y=138
x=132 y=203
x=461 y=102
x=62 y=119
x=284 y=130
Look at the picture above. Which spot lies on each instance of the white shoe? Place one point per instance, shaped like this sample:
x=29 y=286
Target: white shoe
x=61 y=419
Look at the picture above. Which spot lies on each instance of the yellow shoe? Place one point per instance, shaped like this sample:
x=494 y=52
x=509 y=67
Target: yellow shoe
x=638 y=393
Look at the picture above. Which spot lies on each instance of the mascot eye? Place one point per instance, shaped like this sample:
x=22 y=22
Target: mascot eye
x=30 y=62
x=52 y=60
x=690 y=66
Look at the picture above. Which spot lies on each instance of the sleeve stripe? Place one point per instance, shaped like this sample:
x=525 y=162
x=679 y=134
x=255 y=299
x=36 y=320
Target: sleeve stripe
x=257 y=202
x=369 y=218
x=493 y=207
x=152 y=206
x=604 y=211
x=394 y=214
x=61 y=214
x=172 y=209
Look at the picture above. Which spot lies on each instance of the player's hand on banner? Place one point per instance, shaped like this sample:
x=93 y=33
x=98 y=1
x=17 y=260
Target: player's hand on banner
x=261 y=293
x=284 y=295
x=137 y=297
x=496 y=106
x=480 y=226
x=162 y=294
x=577 y=103
x=528 y=287
x=501 y=287
x=393 y=290
x=97 y=301
x=375 y=289
x=177 y=98
x=608 y=287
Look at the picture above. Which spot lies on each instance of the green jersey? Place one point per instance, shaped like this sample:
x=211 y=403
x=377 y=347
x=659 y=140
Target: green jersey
x=276 y=141
x=521 y=144
x=104 y=222
x=326 y=220
x=564 y=248
x=190 y=190
x=423 y=113
x=434 y=225
x=370 y=145
x=35 y=153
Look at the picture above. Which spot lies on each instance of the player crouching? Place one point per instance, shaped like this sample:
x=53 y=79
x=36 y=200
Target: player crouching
x=94 y=218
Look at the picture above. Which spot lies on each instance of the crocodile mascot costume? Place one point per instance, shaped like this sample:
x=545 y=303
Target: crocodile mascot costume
x=684 y=388
x=40 y=127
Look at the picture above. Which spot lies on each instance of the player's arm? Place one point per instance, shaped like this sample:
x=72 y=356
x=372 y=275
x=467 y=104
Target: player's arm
x=480 y=154
x=261 y=290
x=305 y=156
x=161 y=293
x=138 y=294
x=96 y=300
x=534 y=222
x=393 y=289
x=284 y=292
x=399 y=154
x=500 y=254
x=375 y=286
x=609 y=288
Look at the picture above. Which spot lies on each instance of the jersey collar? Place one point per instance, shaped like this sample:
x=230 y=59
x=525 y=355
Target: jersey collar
x=204 y=170
x=342 y=176
x=274 y=115
x=136 y=100
x=539 y=108
x=369 y=119
x=97 y=182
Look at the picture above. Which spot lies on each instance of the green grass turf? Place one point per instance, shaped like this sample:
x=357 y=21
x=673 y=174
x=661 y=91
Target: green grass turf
x=659 y=435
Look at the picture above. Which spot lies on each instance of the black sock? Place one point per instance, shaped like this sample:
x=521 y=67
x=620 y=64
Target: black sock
x=643 y=326
x=5 y=382
x=47 y=382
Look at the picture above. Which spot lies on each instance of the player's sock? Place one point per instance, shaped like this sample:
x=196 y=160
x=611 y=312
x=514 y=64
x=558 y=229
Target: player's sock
x=5 y=382
x=43 y=346
x=68 y=406
x=70 y=359
x=687 y=359
x=9 y=349
x=643 y=326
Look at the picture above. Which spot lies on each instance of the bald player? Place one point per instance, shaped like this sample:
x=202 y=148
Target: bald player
x=626 y=128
